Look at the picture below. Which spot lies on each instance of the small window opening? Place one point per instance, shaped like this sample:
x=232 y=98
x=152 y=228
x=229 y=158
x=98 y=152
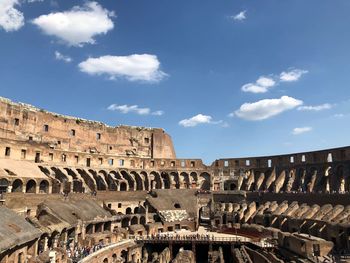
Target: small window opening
x=292 y=159
x=98 y=136
x=329 y=158
x=121 y=162
x=226 y=163
x=46 y=128
x=23 y=154
x=72 y=132
x=247 y=162
x=183 y=163
x=177 y=205
x=7 y=151
x=64 y=158
x=51 y=156
x=269 y=163
x=16 y=121
x=146 y=140
x=110 y=162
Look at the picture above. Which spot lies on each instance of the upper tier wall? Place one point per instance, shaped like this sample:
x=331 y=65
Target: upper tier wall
x=25 y=123
x=286 y=160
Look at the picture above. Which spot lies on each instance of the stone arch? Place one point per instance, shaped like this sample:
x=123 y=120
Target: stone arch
x=138 y=180
x=128 y=211
x=89 y=229
x=137 y=210
x=105 y=260
x=185 y=178
x=77 y=181
x=17 y=185
x=341 y=183
x=145 y=179
x=112 y=182
x=31 y=186
x=134 y=220
x=175 y=180
x=155 y=181
x=166 y=180
x=4 y=183
x=44 y=187
x=142 y=220
x=89 y=181
x=205 y=181
x=129 y=179
x=99 y=180
x=194 y=179
x=123 y=186
x=125 y=222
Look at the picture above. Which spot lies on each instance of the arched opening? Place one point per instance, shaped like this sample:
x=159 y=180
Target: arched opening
x=90 y=229
x=124 y=255
x=17 y=186
x=166 y=180
x=205 y=184
x=134 y=220
x=105 y=260
x=128 y=211
x=194 y=180
x=44 y=187
x=123 y=186
x=125 y=222
x=77 y=186
x=185 y=180
x=145 y=179
x=114 y=258
x=31 y=186
x=232 y=186
x=177 y=205
x=4 y=183
x=175 y=179
x=139 y=182
x=127 y=177
x=142 y=220
x=156 y=183
x=136 y=210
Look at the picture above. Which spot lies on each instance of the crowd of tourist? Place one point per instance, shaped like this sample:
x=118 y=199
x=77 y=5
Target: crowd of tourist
x=76 y=252
x=170 y=236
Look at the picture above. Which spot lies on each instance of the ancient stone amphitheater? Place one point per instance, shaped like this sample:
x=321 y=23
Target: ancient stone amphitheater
x=74 y=190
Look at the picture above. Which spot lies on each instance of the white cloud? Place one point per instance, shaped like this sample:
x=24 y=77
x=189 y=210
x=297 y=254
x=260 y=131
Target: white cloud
x=292 y=75
x=240 y=16
x=134 y=109
x=195 y=120
x=267 y=108
x=158 y=113
x=301 y=130
x=11 y=19
x=77 y=26
x=262 y=85
x=339 y=115
x=325 y=106
x=62 y=57
x=135 y=67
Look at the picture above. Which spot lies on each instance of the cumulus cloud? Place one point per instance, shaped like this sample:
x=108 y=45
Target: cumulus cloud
x=262 y=85
x=60 y=56
x=292 y=75
x=196 y=120
x=240 y=16
x=267 y=108
x=325 y=106
x=301 y=130
x=135 y=67
x=77 y=26
x=11 y=19
x=134 y=109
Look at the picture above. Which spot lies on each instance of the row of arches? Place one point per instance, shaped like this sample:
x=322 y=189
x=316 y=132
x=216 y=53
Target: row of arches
x=19 y=186
x=300 y=179
x=81 y=180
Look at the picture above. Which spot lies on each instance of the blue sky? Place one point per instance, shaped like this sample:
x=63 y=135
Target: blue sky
x=223 y=78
